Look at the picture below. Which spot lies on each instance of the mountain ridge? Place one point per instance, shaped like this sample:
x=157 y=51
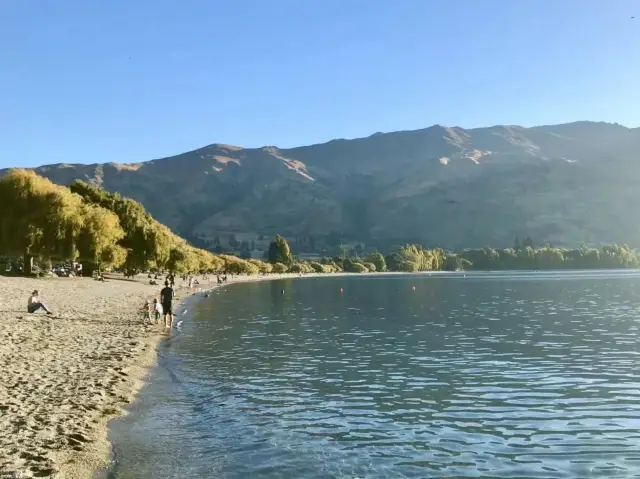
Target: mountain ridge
x=443 y=186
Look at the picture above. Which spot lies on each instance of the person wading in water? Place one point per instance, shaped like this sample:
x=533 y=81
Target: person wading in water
x=166 y=298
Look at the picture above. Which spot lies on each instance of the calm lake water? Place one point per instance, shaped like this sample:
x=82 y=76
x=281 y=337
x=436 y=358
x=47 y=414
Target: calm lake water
x=483 y=375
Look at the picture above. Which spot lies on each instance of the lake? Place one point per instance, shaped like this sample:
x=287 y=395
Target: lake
x=451 y=375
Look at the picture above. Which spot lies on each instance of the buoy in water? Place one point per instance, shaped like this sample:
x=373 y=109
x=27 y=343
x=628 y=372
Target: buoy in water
x=341 y=290
x=413 y=288
x=282 y=291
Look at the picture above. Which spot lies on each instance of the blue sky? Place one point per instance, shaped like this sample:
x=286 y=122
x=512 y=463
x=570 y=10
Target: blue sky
x=121 y=80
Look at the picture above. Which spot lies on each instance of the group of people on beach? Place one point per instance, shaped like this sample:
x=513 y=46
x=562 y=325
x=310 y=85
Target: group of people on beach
x=157 y=308
x=164 y=307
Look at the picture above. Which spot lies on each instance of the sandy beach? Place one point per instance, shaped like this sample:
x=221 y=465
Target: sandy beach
x=65 y=376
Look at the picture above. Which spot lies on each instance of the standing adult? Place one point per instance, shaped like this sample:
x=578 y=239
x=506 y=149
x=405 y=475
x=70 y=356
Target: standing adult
x=166 y=298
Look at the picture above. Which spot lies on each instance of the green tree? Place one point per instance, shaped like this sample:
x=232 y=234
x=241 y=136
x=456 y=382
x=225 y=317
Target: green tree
x=140 y=229
x=317 y=267
x=353 y=266
x=182 y=260
x=279 y=268
x=263 y=267
x=98 y=239
x=279 y=251
x=370 y=266
x=378 y=260
x=37 y=218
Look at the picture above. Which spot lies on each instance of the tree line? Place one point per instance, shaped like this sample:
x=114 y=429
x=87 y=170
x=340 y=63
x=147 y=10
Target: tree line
x=44 y=221
x=415 y=258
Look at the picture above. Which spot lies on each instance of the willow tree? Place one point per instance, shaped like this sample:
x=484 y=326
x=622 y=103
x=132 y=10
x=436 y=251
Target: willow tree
x=161 y=240
x=148 y=243
x=182 y=259
x=99 y=237
x=37 y=218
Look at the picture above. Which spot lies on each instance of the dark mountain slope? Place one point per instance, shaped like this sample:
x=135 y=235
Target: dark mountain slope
x=566 y=184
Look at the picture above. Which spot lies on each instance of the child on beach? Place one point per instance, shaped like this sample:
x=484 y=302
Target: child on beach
x=157 y=308
x=146 y=314
x=34 y=303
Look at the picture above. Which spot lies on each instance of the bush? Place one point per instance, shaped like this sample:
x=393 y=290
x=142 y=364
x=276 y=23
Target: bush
x=279 y=268
x=296 y=268
x=351 y=266
x=378 y=260
x=318 y=268
x=301 y=268
x=408 y=266
x=370 y=266
x=239 y=266
x=263 y=267
x=327 y=268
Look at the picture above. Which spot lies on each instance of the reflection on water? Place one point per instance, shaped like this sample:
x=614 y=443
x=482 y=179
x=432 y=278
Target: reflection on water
x=482 y=375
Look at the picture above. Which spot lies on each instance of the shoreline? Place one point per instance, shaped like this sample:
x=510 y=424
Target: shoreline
x=66 y=376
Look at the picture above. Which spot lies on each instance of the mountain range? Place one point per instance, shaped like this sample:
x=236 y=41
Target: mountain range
x=567 y=184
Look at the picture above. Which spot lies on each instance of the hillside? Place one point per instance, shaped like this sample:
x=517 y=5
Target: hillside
x=566 y=184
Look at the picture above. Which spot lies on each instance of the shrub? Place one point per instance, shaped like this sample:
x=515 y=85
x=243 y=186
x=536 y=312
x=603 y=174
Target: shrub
x=279 y=268
x=318 y=268
x=370 y=266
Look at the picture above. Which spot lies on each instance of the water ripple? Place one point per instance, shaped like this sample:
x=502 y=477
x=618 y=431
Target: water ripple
x=501 y=376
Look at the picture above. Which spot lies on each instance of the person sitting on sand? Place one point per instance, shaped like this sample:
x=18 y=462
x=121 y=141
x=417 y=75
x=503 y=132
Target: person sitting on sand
x=166 y=298
x=157 y=308
x=34 y=303
x=146 y=314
